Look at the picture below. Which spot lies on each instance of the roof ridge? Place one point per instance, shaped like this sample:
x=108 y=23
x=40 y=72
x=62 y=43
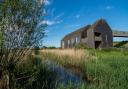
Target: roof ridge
x=79 y=30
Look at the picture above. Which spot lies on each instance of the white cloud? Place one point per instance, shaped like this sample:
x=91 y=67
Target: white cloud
x=46 y=2
x=50 y=23
x=109 y=7
x=59 y=16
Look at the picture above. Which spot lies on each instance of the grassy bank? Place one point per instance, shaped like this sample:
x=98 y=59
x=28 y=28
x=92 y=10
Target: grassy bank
x=101 y=69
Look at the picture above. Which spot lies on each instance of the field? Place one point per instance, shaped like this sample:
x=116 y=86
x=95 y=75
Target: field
x=99 y=69
x=123 y=44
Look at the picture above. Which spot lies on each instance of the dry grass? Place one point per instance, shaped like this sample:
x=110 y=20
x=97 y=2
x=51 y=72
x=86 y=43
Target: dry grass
x=66 y=56
x=72 y=53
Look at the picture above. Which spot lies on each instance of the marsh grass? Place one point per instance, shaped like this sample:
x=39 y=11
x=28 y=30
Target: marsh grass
x=104 y=69
x=65 y=57
x=110 y=70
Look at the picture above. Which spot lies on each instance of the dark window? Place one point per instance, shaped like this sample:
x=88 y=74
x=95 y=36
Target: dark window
x=84 y=35
x=97 y=34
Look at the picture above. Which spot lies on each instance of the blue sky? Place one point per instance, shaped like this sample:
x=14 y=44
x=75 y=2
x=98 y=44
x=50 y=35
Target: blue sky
x=65 y=16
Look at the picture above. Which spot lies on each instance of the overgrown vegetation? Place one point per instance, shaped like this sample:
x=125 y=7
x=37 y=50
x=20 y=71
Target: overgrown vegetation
x=20 y=32
x=81 y=46
x=101 y=69
x=32 y=73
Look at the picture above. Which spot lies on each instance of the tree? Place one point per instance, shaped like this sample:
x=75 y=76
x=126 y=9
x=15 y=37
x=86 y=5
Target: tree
x=20 y=32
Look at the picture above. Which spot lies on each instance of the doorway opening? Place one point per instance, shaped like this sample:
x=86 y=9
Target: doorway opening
x=97 y=44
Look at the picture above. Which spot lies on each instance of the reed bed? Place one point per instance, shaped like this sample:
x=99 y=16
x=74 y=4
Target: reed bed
x=66 y=56
x=104 y=69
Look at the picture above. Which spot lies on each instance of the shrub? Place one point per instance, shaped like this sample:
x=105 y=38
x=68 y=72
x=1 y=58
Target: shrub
x=81 y=46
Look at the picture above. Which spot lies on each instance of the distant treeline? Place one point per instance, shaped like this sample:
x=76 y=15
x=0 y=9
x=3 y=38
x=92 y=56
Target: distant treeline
x=120 y=44
x=49 y=47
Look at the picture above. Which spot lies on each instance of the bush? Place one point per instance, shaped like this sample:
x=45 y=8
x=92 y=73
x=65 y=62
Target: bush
x=81 y=46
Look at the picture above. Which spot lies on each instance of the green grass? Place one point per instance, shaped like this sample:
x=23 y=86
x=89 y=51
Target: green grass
x=106 y=69
x=110 y=70
x=122 y=44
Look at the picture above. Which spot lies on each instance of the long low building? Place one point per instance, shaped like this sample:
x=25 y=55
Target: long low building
x=120 y=34
x=98 y=35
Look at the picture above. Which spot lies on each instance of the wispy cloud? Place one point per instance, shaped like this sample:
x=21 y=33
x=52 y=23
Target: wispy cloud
x=45 y=2
x=109 y=7
x=50 y=22
x=59 y=16
x=54 y=15
x=55 y=18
